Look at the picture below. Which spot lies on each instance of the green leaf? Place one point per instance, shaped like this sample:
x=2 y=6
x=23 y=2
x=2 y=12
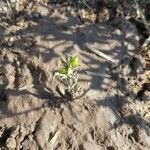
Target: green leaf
x=64 y=71
x=74 y=61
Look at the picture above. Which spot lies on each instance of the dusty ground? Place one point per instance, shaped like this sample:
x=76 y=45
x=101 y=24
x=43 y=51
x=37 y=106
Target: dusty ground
x=111 y=112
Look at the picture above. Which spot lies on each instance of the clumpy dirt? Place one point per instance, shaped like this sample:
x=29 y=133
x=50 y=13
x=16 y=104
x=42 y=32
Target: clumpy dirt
x=112 y=110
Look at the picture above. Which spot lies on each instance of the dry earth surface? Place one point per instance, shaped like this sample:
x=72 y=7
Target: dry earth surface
x=112 y=109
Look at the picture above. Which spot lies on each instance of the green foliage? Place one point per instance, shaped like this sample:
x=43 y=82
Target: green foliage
x=74 y=62
x=68 y=72
x=69 y=66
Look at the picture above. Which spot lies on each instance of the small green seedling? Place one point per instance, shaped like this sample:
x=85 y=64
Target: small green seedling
x=68 y=73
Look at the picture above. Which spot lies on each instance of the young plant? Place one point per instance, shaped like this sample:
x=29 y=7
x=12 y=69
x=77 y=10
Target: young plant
x=68 y=73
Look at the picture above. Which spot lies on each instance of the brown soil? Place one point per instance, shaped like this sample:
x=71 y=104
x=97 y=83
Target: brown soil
x=109 y=113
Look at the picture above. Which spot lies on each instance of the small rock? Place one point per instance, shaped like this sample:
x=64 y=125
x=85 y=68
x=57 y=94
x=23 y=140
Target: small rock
x=11 y=143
